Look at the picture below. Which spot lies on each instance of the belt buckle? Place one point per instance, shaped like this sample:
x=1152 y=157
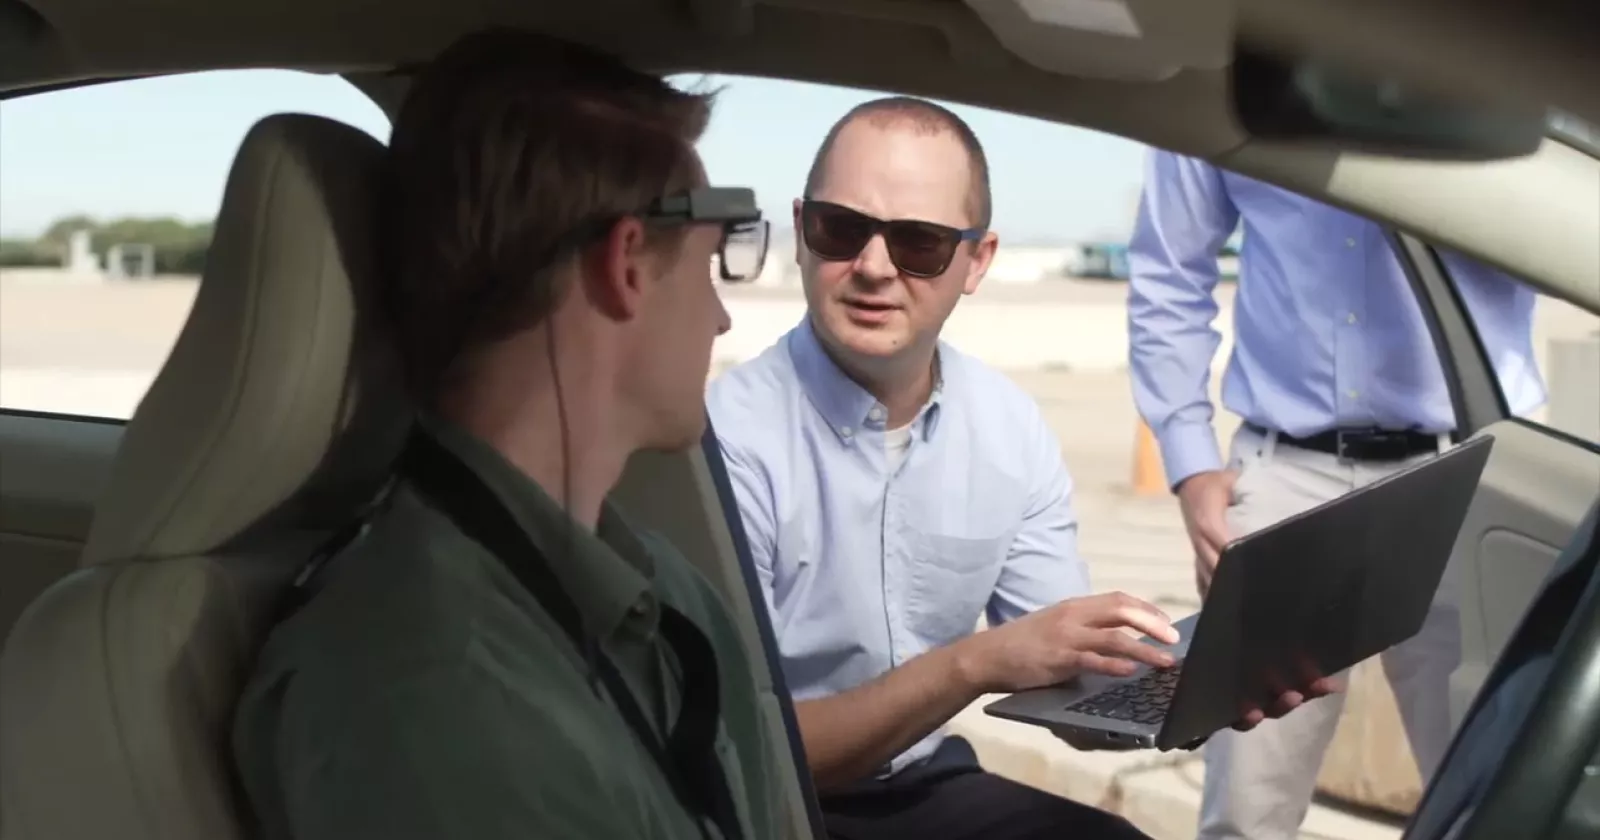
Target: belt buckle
x=1372 y=445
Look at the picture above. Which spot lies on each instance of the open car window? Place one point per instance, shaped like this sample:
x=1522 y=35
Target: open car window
x=108 y=193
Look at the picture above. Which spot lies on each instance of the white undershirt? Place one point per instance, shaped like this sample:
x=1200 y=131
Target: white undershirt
x=896 y=442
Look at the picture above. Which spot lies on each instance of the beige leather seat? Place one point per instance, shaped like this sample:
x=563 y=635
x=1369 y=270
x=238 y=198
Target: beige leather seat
x=675 y=495
x=272 y=420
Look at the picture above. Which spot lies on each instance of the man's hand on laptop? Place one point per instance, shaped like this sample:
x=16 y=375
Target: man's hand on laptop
x=1076 y=636
x=1204 y=498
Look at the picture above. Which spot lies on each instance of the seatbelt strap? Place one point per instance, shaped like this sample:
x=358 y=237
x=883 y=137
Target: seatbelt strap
x=688 y=760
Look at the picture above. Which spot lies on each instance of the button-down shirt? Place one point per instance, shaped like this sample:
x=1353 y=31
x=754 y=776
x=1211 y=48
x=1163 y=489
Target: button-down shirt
x=424 y=693
x=867 y=560
x=1327 y=331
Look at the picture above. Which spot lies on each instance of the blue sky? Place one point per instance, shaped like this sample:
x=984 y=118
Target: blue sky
x=163 y=146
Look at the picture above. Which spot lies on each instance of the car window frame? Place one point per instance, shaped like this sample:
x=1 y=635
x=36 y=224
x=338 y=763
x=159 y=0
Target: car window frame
x=1476 y=393
x=1479 y=401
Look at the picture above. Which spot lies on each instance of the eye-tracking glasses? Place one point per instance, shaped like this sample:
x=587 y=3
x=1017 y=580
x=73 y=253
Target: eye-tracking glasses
x=921 y=249
x=745 y=235
x=740 y=254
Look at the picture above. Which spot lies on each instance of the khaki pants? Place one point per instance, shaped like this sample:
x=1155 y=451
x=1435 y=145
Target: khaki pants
x=1259 y=784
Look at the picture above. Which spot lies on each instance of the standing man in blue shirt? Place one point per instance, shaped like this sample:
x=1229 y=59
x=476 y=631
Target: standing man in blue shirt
x=1330 y=353
x=894 y=490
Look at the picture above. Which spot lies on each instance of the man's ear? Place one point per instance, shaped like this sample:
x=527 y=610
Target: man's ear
x=982 y=256
x=615 y=270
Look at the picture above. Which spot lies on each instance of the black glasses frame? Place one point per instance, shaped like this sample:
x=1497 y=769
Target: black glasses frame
x=952 y=235
x=733 y=207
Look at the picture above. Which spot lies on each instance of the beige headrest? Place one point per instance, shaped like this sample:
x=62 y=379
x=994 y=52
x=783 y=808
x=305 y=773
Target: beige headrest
x=265 y=377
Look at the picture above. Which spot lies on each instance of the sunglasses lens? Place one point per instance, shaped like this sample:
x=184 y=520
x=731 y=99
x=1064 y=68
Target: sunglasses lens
x=833 y=232
x=920 y=249
x=744 y=250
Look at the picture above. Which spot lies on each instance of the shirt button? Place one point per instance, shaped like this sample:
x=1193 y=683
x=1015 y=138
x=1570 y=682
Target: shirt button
x=876 y=413
x=1352 y=393
x=847 y=431
x=1349 y=243
x=1351 y=318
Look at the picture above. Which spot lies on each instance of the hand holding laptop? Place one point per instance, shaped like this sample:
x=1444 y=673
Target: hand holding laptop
x=1203 y=499
x=1272 y=632
x=1310 y=688
x=1288 y=701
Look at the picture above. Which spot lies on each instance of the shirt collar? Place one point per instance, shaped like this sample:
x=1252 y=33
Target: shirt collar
x=846 y=406
x=607 y=572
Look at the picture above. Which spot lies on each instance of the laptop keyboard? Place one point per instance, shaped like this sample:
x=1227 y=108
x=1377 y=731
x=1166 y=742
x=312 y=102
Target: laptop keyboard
x=1144 y=700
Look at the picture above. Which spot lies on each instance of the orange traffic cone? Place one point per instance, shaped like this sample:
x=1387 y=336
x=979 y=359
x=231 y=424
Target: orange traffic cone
x=1148 y=477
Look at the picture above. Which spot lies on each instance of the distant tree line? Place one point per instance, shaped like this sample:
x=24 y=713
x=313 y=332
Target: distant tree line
x=179 y=247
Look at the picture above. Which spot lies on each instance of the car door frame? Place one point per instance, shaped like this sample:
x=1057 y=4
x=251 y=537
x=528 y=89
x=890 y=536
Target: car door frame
x=1479 y=403
x=1475 y=390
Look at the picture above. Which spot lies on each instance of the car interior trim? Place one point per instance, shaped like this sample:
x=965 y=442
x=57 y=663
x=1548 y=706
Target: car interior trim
x=1468 y=373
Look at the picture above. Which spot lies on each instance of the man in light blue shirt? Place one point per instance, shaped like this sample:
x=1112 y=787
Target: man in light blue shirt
x=894 y=490
x=1338 y=383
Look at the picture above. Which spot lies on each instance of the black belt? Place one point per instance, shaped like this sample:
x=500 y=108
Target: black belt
x=1362 y=444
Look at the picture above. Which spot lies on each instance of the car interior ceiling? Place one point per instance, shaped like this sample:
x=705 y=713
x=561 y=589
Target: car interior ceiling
x=972 y=51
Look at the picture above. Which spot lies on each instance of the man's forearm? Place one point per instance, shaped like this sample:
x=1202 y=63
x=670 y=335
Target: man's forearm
x=850 y=735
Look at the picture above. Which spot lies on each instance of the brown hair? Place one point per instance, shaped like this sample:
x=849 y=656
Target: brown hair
x=508 y=145
x=924 y=117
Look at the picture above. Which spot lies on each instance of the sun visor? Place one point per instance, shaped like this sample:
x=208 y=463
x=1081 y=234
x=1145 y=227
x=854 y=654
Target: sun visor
x=1128 y=40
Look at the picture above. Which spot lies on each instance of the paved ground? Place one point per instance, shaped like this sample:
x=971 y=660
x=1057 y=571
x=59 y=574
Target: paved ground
x=92 y=349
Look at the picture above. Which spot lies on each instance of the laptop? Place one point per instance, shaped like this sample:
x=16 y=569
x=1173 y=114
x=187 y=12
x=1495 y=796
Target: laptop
x=1308 y=597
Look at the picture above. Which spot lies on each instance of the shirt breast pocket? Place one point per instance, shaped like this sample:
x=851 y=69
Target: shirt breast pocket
x=950 y=580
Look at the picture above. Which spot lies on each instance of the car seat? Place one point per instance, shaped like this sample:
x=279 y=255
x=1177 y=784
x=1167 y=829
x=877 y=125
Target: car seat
x=272 y=420
x=686 y=497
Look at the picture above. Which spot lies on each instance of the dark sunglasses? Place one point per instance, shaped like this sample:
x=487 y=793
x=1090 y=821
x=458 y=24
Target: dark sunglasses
x=921 y=249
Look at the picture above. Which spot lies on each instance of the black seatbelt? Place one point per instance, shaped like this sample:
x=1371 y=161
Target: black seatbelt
x=689 y=758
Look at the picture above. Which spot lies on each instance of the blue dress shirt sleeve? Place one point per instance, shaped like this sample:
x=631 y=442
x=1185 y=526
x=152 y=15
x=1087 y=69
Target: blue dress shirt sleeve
x=1043 y=566
x=1184 y=218
x=753 y=494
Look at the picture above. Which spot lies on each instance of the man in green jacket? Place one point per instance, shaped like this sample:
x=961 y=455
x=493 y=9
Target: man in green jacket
x=501 y=655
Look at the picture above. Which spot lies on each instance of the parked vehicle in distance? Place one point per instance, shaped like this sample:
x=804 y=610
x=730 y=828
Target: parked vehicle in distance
x=1109 y=261
x=1099 y=261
